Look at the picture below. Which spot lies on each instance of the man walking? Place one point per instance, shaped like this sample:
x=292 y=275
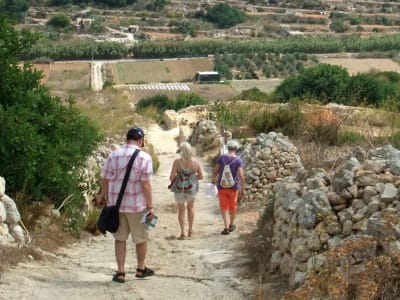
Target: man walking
x=136 y=201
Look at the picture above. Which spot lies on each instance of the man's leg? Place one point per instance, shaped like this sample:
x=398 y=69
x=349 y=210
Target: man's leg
x=232 y=211
x=120 y=253
x=141 y=250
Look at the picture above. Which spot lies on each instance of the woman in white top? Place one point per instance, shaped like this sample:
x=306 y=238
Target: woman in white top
x=185 y=173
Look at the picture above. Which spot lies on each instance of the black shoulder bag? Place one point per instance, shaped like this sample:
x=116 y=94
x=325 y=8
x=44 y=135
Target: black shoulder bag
x=109 y=216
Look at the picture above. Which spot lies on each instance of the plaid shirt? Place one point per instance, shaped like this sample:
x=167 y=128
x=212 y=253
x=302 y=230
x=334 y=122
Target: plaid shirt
x=114 y=171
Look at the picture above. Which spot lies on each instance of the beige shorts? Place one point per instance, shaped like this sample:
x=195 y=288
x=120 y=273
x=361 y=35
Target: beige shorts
x=182 y=198
x=129 y=223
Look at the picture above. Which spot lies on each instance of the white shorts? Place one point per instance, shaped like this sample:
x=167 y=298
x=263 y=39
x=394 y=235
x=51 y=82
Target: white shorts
x=182 y=198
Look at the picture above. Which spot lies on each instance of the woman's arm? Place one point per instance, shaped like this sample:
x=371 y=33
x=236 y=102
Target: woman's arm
x=174 y=170
x=199 y=171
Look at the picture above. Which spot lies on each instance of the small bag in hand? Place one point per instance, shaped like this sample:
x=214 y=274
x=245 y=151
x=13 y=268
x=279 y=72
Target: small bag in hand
x=108 y=219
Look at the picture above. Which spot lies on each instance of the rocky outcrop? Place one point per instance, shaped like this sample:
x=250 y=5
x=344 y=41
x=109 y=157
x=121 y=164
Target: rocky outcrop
x=11 y=231
x=315 y=211
x=206 y=135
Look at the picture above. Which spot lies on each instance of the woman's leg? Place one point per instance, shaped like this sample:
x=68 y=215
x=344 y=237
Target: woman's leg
x=181 y=218
x=190 y=215
x=225 y=217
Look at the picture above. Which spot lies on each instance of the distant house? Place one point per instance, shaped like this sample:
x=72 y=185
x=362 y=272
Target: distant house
x=294 y=33
x=133 y=28
x=207 y=77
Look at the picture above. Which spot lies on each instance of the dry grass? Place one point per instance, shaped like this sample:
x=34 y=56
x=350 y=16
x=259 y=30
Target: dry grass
x=112 y=110
x=9 y=257
x=213 y=92
x=74 y=76
x=45 y=69
x=363 y=65
x=48 y=239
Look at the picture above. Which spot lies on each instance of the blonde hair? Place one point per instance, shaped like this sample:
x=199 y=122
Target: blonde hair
x=186 y=151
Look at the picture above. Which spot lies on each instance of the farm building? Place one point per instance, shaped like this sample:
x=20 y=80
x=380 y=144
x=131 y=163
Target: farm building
x=208 y=76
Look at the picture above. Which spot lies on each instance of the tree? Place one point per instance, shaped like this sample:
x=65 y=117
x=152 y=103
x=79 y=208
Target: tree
x=60 y=21
x=44 y=140
x=225 y=16
x=156 y=5
x=15 y=9
x=323 y=82
x=363 y=88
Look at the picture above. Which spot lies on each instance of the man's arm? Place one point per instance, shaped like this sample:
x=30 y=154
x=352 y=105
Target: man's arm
x=146 y=189
x=241 y=180
x=101 y=198
x=215 y=174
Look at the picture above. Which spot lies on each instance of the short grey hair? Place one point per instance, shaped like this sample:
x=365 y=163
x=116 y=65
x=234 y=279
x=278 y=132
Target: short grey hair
x=233 y=145
x=186 y=151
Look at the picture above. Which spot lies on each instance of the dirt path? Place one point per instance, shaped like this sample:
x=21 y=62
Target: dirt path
x=96 y=76
x=208 y=266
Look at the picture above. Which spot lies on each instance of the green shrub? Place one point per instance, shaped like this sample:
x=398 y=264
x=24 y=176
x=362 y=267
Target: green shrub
x=350 y=138
x=323 y=133
x=231 y=114
x=60 y=21
x=254 y=94
x=224 y=15
x=287 y=120
x=162 y=102
x=44 y=141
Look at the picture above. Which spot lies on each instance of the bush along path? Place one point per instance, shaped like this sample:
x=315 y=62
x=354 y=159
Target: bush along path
x=206 y=266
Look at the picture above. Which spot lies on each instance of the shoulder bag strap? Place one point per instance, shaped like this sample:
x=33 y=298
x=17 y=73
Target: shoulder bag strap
x=125 y=181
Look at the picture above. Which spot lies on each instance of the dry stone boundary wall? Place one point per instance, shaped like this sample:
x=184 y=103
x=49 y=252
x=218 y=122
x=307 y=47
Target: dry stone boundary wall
x=315 y=211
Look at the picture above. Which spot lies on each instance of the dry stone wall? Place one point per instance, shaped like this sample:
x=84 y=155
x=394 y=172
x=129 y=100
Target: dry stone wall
x=315 y=211
x=270 y=158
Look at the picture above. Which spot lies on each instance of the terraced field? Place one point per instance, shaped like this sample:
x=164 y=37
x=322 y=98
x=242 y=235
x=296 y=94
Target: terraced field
x=153 y=71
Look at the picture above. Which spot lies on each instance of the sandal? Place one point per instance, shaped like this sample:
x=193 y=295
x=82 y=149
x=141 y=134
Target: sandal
x=144 y=272
x=225 y=231
x=190 y=233
x=182 y=237
x=232 y=228
x=119 y=277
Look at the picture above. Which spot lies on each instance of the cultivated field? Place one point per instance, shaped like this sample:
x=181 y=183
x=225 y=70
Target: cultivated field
x=69 y=76
x=363 y=65
x=265 y=85
x=152 y=71
x=210 y=92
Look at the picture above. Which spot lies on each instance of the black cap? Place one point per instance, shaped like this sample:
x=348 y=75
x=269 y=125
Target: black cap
x=135 y=133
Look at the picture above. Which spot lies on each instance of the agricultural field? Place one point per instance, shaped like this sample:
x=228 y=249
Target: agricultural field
x=151 y=71
x=265 y=85
x=45 y=69
x=363 y=65
x=68 y=76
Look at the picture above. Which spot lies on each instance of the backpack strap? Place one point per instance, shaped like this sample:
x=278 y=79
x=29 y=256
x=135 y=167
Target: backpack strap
x=230 y=162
